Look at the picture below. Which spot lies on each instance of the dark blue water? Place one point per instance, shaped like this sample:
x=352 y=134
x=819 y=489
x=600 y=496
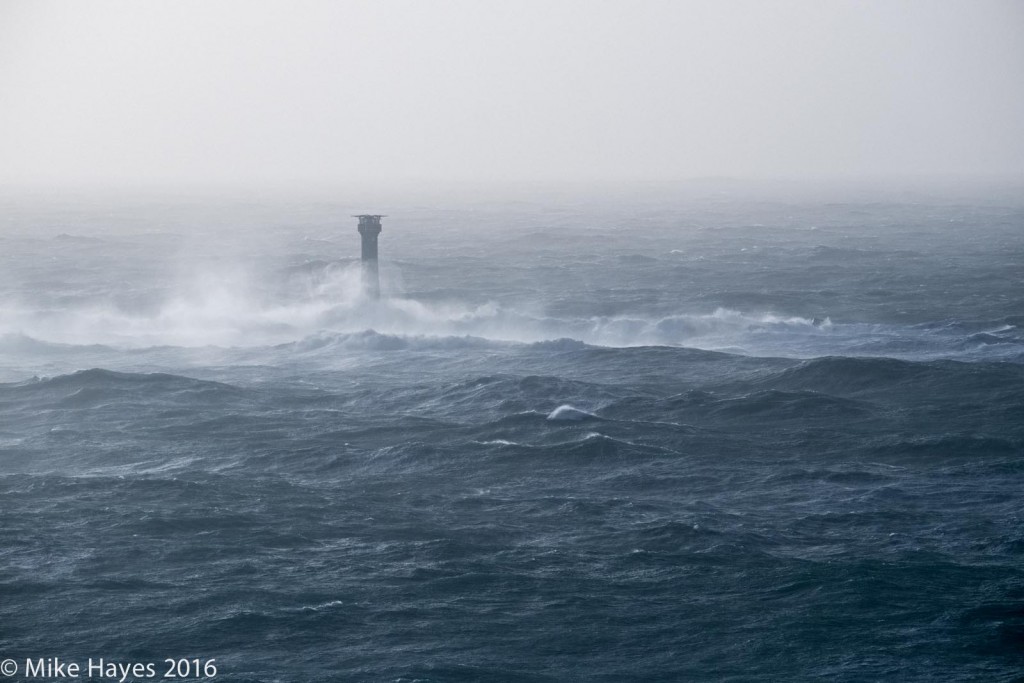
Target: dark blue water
x=700 y=438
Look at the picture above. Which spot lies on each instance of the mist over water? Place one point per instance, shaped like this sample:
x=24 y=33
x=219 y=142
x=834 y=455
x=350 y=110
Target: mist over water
x=708 y=434
x=761 y=278
x=700 y=355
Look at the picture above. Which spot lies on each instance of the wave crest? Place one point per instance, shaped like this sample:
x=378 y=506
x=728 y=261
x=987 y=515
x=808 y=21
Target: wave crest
x=321 y=308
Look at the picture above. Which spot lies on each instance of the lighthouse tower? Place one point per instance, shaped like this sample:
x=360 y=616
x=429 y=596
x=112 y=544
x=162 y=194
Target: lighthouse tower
x=369 y=229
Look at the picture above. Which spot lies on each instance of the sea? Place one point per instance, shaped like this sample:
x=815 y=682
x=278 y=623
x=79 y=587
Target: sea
x=697 y=433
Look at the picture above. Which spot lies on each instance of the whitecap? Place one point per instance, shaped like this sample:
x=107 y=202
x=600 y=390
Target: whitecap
x=568 y=413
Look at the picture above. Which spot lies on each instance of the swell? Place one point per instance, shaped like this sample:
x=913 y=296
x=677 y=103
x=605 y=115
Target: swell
x=97 y=386
x=848 y=376
x=593 y=403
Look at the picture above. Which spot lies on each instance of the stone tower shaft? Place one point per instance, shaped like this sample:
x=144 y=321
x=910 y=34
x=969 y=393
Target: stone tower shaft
x=369 y=230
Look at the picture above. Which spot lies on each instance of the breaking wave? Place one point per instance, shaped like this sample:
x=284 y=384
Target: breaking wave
x=323 y=310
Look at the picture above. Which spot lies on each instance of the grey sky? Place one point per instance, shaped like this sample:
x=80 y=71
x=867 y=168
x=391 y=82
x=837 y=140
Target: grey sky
x=298 y=92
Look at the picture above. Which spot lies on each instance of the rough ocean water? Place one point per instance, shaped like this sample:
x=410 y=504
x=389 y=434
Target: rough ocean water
x=706 y=437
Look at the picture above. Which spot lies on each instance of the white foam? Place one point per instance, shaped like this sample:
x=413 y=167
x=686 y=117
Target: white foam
x=568 y=413
x=227 y=306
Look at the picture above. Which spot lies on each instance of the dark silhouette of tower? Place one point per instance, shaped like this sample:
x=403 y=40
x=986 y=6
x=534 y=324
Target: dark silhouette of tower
x=369 y=228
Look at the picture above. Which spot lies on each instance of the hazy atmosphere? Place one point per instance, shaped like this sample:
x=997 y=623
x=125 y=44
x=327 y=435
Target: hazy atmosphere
x=298 y=93
x=516 y=341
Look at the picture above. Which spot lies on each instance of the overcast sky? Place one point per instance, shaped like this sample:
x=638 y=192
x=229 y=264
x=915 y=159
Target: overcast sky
x=296 y=92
